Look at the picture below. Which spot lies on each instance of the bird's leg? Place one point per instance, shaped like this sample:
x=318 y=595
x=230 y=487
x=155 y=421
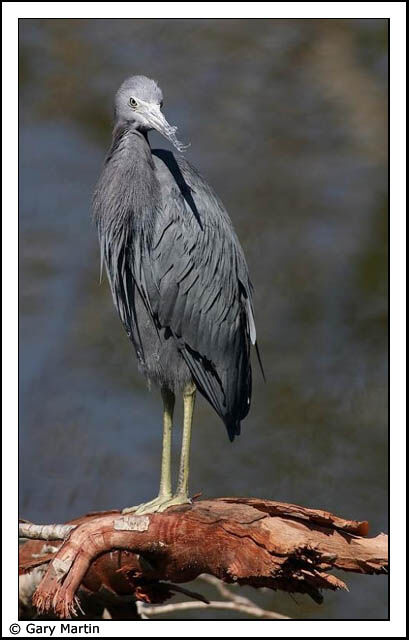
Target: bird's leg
x=165 y=487
x=181 y=496
x=189 y=396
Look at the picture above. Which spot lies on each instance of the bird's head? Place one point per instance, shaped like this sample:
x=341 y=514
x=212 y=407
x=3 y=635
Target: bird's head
x=138 y=103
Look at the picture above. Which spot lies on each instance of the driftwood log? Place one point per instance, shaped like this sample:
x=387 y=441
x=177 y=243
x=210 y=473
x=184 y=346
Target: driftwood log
x=247 y=541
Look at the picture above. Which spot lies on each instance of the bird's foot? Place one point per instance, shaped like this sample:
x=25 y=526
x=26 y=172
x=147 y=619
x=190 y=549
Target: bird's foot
x=148 y=507
x=177 y=499
x=159 y=504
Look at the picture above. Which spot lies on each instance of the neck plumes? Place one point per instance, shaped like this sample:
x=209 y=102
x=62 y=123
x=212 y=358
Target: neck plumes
x=126 y=198
x=127 y=193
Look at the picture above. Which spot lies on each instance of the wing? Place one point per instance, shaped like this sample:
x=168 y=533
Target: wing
x=198 y=287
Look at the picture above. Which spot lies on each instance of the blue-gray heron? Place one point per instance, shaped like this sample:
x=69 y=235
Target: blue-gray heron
x=177 y=273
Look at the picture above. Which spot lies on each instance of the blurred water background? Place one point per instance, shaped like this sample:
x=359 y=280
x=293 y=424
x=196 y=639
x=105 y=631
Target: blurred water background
x=287 y=120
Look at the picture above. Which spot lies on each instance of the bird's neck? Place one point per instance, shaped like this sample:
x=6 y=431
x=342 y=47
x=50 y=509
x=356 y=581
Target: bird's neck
x=129 y=145
x=130 y=180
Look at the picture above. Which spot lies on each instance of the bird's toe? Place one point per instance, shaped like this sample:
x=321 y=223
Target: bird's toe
x=147 y=507
x=176 y=500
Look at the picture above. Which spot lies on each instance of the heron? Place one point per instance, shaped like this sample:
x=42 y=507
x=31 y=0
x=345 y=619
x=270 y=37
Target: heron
x=178 y=276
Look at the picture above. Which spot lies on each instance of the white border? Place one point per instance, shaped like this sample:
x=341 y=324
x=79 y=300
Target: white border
x=394 y=10
x=204 y=10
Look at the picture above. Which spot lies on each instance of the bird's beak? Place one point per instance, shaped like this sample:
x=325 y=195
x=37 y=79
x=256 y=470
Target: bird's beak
x=158 y=121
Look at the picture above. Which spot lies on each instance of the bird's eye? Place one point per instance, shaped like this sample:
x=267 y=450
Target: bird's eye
x=133 y=102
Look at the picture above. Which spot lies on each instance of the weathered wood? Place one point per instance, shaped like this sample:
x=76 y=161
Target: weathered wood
x=244 y=540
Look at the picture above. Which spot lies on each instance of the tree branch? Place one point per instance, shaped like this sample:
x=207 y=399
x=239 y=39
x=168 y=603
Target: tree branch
x=237 y=540
x=253 y=610
x=44 y=531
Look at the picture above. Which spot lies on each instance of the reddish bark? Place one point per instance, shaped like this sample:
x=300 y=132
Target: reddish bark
x=246 y=540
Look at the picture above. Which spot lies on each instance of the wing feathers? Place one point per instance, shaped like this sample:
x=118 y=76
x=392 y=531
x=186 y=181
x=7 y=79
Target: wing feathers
x=201 y=292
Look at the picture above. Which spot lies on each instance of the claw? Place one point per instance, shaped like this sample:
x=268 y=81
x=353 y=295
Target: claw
x=159 y=504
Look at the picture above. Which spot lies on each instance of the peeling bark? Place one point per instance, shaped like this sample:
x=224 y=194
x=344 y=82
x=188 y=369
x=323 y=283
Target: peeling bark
x=244 y=540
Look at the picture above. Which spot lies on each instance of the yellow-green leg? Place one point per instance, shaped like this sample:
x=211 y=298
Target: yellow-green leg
x=189 y=396
x=165 y=498
x=165 y=487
